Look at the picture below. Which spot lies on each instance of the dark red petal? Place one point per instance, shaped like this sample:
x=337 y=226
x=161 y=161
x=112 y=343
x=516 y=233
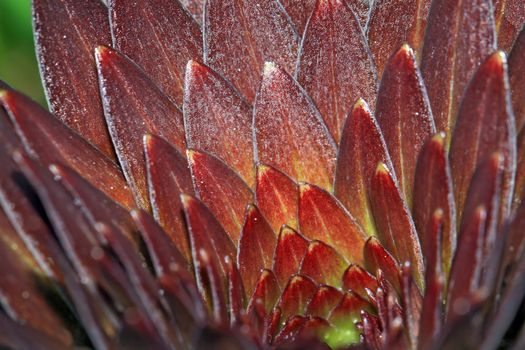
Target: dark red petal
x=323 y=264
x=348 y=311
x=80 y=242
x=394 y=223
x=332 y=42
x=264 y=296
x=433 y=191
x=485 y=191
x=299 y=12
x=323 y=301
x=290 y=330
x=166 y=258
x=140 y=278
x=485 y=124
x=211 y=248
x=519 y=185
x=66 y=33
x=512 y=271
x=296 y=295
x=378 y=259
x=23 y=217
x=256 y=247
x=160 y=36
x=431 y=319
x=16 y=335
x=356 y=279
x=404 y=116
x=322 y=217
x=459 y=36
x=386 y=32
x=236 y=296
x=94 y=203
x=289 y=131
x=466 y=267
x=211 y=283
x=168 y=177
x=289 y=252
x=517 y=79
x=361 y=9
x=21 y=296
x=222 y=190
x=134 y=106
x=50 y=141
x=362 y=147
x=240 y=36
x=206 y=234
x=277 y=197
x=218 y=120
x=411 y=300
x=510 y=17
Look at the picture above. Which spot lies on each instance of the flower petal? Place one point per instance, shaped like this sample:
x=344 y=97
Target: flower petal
x=348 y=312
x=394 y=223
x=211 y=248
x=97 y=207
x=66 y=33
x=459 y=36
x=160 y=36
x=296 y=295
x=322 y=217
x=362 y=147
x=51 y=142
x=240 y=35
x=133 y=107
x=485 y=191
x=264 y=296
x=403 y=113
x=323 y=301
x=168 y=176
x=277 y=197
x=323 y=264
x=332 y=41
x=299 y=12
x=510 y=17
x=166 y=258
x=289 y=252
x=517 y=79
x=466 y=267
x=378 y=259
x=431 y=319
x=433 y=191
x=222 y=190
x=206 y=234
x=519 y=188
x=21 y=296
x=485 y=124
x=357 y=279
x=289 y=132
x=386 y=32
x=256 y=246
x=218 y=120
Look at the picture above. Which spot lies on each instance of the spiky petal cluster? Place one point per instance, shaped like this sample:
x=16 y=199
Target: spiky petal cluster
x=221 y=182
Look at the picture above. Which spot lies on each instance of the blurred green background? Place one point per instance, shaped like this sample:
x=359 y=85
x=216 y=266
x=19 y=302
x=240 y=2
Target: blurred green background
x=18 y=65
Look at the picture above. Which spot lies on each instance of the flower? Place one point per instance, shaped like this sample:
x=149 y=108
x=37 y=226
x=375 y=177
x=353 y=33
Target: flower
x=220 y=182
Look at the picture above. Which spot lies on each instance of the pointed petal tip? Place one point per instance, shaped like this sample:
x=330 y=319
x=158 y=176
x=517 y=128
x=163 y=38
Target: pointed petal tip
x=194 y=67
x=361 y=104
x=101 y=53
x=269 y=68
x=382 y=169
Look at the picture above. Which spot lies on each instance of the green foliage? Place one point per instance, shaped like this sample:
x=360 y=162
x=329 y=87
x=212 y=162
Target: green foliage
x=18 y=65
